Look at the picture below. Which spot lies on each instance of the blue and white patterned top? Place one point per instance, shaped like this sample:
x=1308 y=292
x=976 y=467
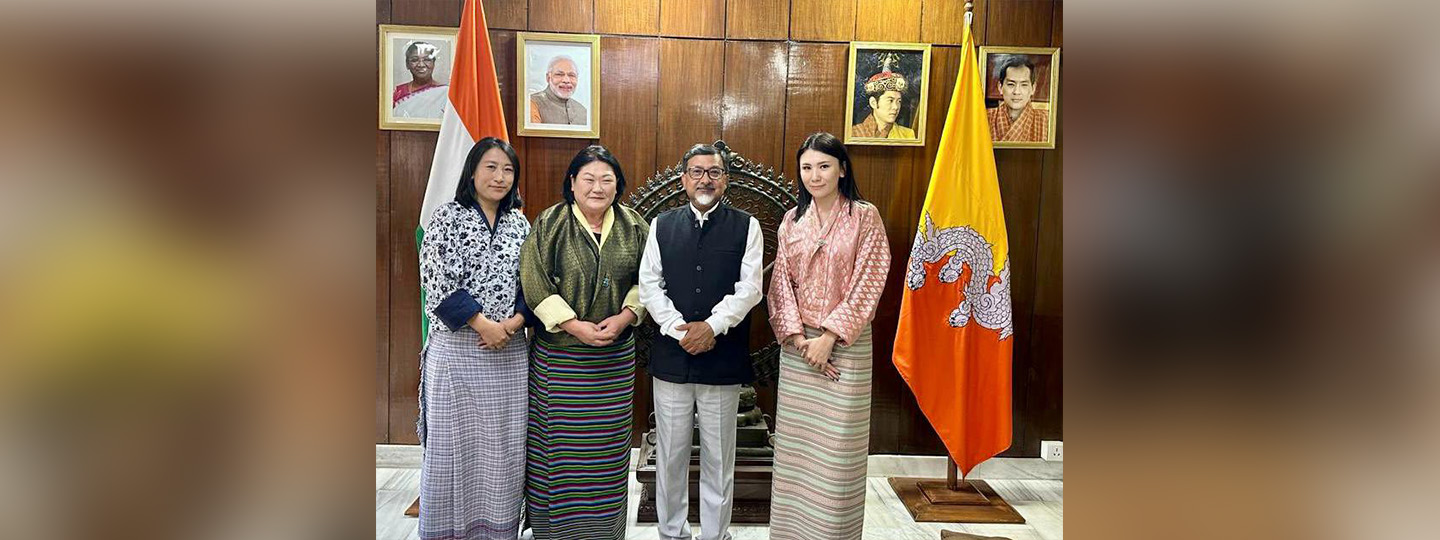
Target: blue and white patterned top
x=468 y=268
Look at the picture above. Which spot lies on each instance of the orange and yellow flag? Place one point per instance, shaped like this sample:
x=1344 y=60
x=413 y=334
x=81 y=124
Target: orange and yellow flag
x=954 y=341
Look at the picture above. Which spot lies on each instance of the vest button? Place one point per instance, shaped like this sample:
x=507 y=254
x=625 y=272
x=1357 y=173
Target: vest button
x=697 y=290
x=697 y=268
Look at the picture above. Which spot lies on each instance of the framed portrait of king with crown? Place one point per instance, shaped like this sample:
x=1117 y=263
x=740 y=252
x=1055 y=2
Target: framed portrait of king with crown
x=887 y=93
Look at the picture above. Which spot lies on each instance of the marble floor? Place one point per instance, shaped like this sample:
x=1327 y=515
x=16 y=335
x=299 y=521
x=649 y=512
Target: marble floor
x=1034 y=487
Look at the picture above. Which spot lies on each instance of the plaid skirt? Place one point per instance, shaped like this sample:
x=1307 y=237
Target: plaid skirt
x=472 y=407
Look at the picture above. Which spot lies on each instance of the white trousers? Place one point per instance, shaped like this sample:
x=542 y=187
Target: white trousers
x=675 y=412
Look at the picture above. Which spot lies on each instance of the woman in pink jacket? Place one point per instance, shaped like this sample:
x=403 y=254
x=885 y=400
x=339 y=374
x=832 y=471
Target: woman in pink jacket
x=829 y=272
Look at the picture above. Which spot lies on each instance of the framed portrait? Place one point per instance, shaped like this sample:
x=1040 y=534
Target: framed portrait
x=1022 y=85
x=415 y=75
x=887 y=93
x=561 y=85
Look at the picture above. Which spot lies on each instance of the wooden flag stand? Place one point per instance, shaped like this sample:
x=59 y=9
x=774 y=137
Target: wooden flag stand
x=955 y=500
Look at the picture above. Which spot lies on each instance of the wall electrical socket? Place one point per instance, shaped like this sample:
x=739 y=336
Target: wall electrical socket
x=1052 y=450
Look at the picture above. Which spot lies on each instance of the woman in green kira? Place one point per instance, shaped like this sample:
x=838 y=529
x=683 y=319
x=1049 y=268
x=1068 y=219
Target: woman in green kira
x=579 y=269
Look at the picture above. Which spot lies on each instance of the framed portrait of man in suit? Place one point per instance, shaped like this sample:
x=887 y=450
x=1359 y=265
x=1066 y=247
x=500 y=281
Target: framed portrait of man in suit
x=559 y=76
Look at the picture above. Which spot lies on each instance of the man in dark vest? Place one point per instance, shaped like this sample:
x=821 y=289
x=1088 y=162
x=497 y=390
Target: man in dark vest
x=699 y=278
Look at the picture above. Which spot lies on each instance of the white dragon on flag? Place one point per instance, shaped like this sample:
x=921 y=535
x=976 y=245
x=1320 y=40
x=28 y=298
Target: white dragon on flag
x=990 y=308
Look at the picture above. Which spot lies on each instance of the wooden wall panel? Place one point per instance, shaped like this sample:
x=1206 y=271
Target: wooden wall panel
x=757 y=19
x=1019 y=172
x=1055 y=27
x=629 y=106
x=502 y=52
x=888 y=20
x=627 y=17
x=410 y=155
x=753 y=123
x=692 y=18
x=942 y=22
x=426 y=12
x=572 y=16
x=506 y=14
x=1043 y=406
x=545 y=162
x=814 y=94
x=691 y=87
x=822 y=20
x=382 y=287
x=1019 y=24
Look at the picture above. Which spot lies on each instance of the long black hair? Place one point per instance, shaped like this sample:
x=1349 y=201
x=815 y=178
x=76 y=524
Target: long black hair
x=465 y=191
x=826 y=143
x=587 y=156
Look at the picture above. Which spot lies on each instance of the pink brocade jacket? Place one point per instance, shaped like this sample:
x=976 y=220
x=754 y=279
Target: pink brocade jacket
x=829 y=278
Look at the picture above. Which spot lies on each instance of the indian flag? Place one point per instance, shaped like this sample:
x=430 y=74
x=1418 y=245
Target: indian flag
x=954 y=339
x=473 y=113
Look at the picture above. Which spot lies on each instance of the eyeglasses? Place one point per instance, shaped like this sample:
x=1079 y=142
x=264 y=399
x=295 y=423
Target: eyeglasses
x=696 y=173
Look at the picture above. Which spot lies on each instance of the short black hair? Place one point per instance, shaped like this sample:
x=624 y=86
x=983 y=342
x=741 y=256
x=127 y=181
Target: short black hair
x=465 y=191
x=830 y=145
x=587 y=156
x=704 y=150
x=1014 y=61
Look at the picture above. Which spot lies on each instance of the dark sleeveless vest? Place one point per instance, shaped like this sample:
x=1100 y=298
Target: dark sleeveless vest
x=700 y=266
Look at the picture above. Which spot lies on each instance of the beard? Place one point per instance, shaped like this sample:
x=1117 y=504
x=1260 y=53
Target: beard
x=705 y=199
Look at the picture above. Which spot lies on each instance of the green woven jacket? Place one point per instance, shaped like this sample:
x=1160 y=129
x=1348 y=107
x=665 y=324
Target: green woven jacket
x=559 y=257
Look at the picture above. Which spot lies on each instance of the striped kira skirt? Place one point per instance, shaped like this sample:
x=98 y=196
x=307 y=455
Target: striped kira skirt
x=822 y=439
x=581 y=400
x=473 y=430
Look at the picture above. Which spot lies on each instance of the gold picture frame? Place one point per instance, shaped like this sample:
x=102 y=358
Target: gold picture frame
x=573 y=94
x=908 y=79
x=414 y=108
x=1046 y=81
